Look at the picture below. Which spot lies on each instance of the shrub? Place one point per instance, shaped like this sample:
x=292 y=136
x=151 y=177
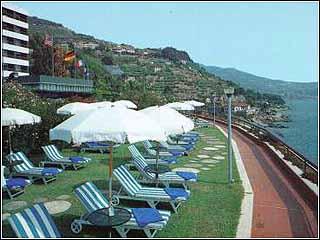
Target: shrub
x=29 y=138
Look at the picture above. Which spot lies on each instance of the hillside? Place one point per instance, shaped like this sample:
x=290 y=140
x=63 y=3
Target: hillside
x=249 y=81
x=166 y=74
x=168 y=71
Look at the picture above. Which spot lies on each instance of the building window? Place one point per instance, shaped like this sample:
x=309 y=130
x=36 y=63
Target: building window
x=13 y=54
x=15 y=68
x=15 y=15
x=14 y=28
x=15 y=41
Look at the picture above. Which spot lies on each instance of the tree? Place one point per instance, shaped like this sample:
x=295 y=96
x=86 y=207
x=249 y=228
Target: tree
x=42 y=58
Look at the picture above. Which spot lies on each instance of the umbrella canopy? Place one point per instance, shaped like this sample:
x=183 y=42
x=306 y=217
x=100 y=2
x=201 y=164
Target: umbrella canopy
x=195 y=103
x=14 y=116
x=74 y=108
x=180 y=106
x=101 y=104
x=115 y=124
x=169 y=119
x=125 y=103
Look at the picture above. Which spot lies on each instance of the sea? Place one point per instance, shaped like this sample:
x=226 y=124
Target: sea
x=302 y=131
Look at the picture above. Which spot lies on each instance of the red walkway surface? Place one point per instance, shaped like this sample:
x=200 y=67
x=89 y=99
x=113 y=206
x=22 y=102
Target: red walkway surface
x=278 y=211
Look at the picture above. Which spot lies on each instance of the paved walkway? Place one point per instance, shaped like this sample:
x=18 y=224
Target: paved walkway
x=278 y=209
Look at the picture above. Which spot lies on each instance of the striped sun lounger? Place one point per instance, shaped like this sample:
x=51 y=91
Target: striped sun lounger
x=13 y=186
x=161 y=160
x=151 y=195
x=26 y=169
x=179 y=142
x=148 y=147
x=93 y=199
x=150 y=177
x=54 y=157
x=34 y=222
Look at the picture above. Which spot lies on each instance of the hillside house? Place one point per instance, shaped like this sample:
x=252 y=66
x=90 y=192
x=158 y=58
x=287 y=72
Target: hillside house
x=240 y=107
x=114 y=70
x=84 y=45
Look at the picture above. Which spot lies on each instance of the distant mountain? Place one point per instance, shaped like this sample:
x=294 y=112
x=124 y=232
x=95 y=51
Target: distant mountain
x=249 y=81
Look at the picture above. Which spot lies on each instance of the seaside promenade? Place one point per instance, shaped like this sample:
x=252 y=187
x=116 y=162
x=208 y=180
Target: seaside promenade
x=278 y=208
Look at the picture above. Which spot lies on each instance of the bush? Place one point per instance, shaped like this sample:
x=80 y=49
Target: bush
x=29 y=138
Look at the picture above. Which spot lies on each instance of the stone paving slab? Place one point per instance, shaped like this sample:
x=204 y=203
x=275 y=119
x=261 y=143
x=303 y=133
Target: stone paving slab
x=4 y=216
x=210 y=161
x=205 y=169
x=220 y=146
x=63 y=197
x=210 y=148
x=14 y=205
x=219 y=157
x=184 y=169
x=203 y=152
x=40 y=200
x=193 y=165
x=55 y=207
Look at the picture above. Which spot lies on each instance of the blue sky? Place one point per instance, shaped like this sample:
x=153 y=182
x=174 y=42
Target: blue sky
x=276 y=40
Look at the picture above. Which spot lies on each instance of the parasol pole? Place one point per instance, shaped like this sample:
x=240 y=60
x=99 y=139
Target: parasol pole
x=157 y=165
x=111 y=212
x=10 y=146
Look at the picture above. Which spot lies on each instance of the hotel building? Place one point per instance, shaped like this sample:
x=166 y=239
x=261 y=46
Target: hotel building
x=15 y=41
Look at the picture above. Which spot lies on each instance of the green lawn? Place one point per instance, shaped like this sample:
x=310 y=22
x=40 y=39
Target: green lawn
x=213 y=209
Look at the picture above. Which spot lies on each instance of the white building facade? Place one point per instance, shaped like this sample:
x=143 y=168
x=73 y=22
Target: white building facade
x=15 y=41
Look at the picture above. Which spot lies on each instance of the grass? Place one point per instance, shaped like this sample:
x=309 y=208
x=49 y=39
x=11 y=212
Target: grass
x=213 y=210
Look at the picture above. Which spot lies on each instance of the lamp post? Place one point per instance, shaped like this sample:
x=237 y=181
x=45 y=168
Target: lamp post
x=208 y=101
x=214 y=108
x=229 y=92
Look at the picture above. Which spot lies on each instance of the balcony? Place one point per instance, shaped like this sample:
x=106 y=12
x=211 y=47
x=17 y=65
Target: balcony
x=58 y=86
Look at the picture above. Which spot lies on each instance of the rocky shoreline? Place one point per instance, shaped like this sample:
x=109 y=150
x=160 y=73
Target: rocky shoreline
x=273 y=117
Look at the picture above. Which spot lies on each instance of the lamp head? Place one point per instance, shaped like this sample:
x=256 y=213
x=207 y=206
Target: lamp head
x=229 y=91
x=208 y=100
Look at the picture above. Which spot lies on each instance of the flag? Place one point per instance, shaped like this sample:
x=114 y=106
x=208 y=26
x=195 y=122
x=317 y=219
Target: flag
x=79 y=63
x=48 y=41
x=69 y=56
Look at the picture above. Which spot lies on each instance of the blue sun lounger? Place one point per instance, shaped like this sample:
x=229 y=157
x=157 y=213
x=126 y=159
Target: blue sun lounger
x=162 y=160
x=176 y=141
x=34 y=222
x=13 y=186
x=166 y=178
x=152 y=195
x=93 y=199
x=54 y=157
x=152 y=152
x=96 y=146
x=26 y=169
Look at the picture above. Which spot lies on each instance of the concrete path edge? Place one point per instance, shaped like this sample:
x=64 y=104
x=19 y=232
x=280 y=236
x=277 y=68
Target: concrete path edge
x=246 y=214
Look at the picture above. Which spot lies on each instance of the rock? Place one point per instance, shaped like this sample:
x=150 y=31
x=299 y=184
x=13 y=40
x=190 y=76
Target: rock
x=203 y=156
